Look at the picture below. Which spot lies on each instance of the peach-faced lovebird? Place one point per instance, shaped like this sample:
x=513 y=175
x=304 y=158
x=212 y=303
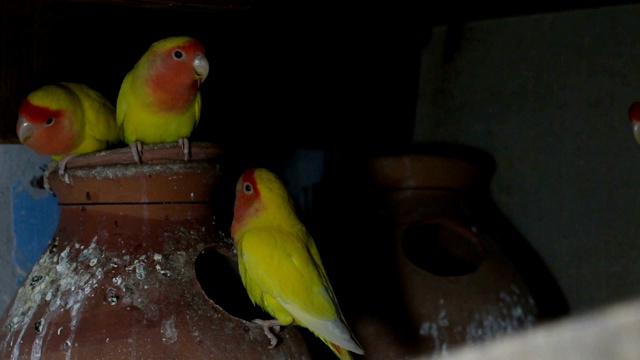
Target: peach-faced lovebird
x=64 y=120
x=159 y=99
x=280 y=265
x=634 y=116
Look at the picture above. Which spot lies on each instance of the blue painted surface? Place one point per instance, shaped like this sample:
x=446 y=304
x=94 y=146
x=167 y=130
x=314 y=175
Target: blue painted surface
x=34 y=223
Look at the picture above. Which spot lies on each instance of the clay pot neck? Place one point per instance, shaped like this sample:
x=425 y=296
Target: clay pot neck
x=164 y=177
x=425 y=171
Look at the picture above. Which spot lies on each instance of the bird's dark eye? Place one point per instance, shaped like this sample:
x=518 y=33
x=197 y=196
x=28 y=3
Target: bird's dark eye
x=248 y=189
x=49 y=121
x=178 y=54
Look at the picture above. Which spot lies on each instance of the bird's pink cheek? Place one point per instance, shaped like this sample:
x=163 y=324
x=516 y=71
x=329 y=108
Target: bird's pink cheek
x=39 y=149
x=50 y=145
x=38 y=146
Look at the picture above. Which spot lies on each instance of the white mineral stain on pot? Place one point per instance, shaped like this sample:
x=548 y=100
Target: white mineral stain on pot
x=139 y=265
x=64 y=285
x=163 y=272
x=36 y=347
x=511 y=313
x=60 y=283
x=168 y=330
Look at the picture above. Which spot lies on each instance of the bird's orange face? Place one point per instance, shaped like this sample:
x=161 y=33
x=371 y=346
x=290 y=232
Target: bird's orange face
x=247 y=195
x=44 y=129
x=176 y=72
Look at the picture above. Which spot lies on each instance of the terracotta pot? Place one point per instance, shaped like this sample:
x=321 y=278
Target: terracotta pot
x=123 y=276
x=439 y=265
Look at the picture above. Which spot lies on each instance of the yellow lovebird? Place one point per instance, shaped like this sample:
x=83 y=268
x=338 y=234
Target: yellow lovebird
x=64 y=120
x=159 y=99
x=280 y=265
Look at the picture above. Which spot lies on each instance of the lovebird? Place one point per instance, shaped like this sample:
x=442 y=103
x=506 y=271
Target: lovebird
x=280 y=266
x=634 y=117
x=64 y=120
x=159 y=99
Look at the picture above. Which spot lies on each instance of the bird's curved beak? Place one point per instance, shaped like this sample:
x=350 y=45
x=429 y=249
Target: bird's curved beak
x=636 y=131
x=201 y=67
x=24 y=129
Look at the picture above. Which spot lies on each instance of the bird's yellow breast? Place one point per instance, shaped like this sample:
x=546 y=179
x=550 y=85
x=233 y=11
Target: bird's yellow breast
x=276 y=267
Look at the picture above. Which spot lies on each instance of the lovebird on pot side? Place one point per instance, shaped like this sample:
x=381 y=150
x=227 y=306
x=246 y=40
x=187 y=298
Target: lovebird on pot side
x=280 y=265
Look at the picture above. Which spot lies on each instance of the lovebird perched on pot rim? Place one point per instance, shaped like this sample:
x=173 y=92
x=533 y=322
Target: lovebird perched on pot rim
x=159 y=99
x=280 y=265
x=64 y=120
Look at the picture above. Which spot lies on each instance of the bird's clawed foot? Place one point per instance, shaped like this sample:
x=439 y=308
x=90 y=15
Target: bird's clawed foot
x=267 y=325
x=186 y=147
x=136 y=150
x=62 y=167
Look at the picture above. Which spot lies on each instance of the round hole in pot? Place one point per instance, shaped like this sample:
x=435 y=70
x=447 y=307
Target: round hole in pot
x=442 y=248
x=219 y=279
